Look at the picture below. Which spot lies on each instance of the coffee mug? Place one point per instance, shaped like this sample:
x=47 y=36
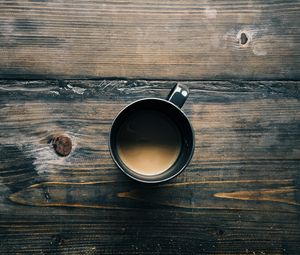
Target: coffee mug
x=151 y=140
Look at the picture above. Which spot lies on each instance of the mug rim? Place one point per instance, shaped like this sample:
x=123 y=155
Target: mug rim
x=158 y=180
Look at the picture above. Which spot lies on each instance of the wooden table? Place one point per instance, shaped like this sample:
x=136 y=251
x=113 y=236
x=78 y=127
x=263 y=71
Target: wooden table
x=68 y=67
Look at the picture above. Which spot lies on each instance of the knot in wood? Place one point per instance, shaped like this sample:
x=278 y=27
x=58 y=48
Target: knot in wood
x=243 y=38
x=62 y=145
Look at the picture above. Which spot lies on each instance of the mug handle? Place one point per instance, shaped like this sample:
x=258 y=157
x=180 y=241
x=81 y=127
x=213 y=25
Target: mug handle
x=178 y=95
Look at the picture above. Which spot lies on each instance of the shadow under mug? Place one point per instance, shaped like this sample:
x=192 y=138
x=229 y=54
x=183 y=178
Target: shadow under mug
x=171 y=108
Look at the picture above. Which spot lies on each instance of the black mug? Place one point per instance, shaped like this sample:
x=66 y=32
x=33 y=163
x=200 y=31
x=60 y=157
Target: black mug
x=169 y=108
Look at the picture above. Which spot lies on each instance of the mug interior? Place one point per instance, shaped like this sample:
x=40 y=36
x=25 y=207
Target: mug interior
x=177 y=117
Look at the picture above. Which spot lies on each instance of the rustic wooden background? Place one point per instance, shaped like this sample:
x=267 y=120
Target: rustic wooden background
x=68 y=67
x=171 y=39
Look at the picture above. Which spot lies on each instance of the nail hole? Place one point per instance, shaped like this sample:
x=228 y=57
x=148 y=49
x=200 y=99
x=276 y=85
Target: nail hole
x=57 y=240
x=62 y=145
x=47 y=195
x=243 y=38
x=220 y=232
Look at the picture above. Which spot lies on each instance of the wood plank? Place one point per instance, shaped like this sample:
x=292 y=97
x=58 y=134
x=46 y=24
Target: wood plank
x=239 y=195
x=249 y=39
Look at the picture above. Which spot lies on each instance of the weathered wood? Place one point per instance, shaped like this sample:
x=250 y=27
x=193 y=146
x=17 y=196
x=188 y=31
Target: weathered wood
x=240 y=194
x=250 y=39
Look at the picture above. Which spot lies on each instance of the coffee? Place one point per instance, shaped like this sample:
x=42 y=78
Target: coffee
x=148 y=142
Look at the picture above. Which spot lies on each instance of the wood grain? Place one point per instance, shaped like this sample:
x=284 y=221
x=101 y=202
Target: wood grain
x=239 y=195
x=249 y=39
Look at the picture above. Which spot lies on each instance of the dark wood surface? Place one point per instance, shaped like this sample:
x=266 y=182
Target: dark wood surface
x=239 y=195
x=171 y=39
x=68 y=67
